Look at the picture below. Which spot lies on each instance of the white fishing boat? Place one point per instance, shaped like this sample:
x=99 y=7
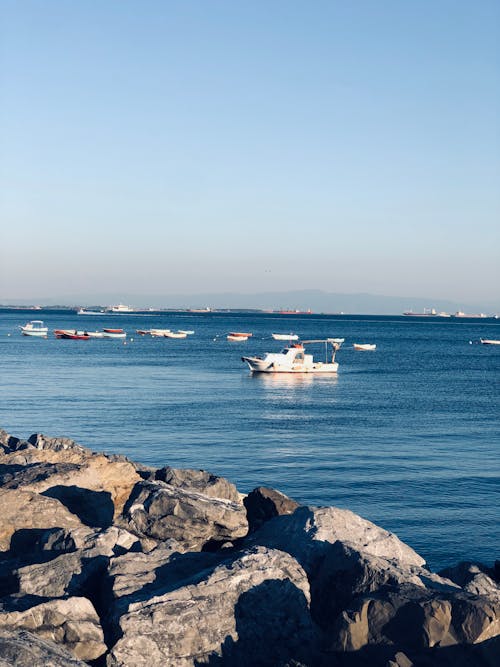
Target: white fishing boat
x=158 y=333
x=188 y=332
x=293 y=359
x=35 y=328
x=114 y=333
x=289 y=336
x=175 y=334
x=486 y=341
x=364 y=346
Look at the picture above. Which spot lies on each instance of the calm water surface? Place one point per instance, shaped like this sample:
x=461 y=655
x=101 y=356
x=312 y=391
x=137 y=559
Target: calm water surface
x=407 y=436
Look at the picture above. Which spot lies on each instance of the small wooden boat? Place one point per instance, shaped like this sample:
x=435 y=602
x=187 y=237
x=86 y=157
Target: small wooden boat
x=159 y=333
x=175 y=334
x=290 y=336
x=35 y=328
x=236 y=338
x=114 y=333
x=240 y=334
x=486 y=341
x=74 y=336
x=364 y=346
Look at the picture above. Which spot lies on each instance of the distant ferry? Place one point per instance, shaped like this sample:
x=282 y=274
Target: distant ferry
x=121 y=308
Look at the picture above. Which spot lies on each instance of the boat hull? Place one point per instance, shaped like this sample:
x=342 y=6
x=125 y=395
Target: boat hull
x=257 y=365
x=484 y=341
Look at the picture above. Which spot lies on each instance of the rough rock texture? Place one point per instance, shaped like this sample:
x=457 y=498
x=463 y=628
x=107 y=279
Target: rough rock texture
x=309 y=532
x=200 y=481
x=79 y=478
x=72 y=623
x=116 y=563
x=27 y=510
x=161 y=511
x=68 y=573
x=225 y=613
x=263 y=504
x=24 y=649
x=475 y=578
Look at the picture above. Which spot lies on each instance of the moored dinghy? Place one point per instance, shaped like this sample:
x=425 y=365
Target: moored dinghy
x=114 y=333
x=489 y=341
x=289 y=336
x=364 y=346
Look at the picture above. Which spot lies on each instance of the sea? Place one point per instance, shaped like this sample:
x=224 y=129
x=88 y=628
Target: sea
x=407 y=436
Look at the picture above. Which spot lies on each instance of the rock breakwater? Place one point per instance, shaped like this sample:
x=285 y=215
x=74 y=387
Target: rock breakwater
x=109 y=563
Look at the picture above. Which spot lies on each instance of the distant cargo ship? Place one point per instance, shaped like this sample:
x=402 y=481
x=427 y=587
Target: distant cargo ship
x=294 y=312
x=428 y=312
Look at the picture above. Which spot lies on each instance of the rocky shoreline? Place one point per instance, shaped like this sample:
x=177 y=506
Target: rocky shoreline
x=106 y=562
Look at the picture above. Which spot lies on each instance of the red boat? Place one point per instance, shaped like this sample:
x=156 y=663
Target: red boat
x=68 y=334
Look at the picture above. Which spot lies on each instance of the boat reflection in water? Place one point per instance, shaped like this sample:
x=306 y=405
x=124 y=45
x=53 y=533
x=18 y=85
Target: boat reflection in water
x=292 y=380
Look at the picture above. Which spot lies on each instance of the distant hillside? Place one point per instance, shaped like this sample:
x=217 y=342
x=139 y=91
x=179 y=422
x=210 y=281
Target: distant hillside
x=317 y=300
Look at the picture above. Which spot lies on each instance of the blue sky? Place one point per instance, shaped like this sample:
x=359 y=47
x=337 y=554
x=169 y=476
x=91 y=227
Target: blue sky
x=157 y=147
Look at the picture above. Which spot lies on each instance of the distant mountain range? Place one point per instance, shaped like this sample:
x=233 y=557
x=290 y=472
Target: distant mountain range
x=316 y=300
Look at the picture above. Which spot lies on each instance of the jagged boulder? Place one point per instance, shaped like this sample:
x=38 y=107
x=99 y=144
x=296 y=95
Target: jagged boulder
x=263 y=504
x=309 y=532
x=476 y=578
x=346 y=573
x=19 y=648
x=414 y=619
x=199 y=481
x=92 y=486
x=72 y=623
x=250 y=610
x=73 y=573
x=26 y=510
x=161 y=511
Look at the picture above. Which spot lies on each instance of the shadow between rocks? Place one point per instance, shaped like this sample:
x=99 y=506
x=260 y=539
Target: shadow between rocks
x=274 y=629
x=93 y=508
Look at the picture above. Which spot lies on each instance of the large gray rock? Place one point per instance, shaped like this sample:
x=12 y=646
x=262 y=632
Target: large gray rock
x=27 y=510
x=244 y=612
x=346 y=573
x=72 y=623
x=414 y=620
x=309 y=532
x=200 y=481
x=73 y=573
x=161 y=511
x=19 y=648
x=91 y=485
x=132 y=572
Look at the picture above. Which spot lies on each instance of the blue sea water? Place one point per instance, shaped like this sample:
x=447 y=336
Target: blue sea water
x=407 y=436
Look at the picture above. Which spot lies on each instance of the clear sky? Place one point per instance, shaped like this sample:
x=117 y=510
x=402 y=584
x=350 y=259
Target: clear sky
x=191 y=146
